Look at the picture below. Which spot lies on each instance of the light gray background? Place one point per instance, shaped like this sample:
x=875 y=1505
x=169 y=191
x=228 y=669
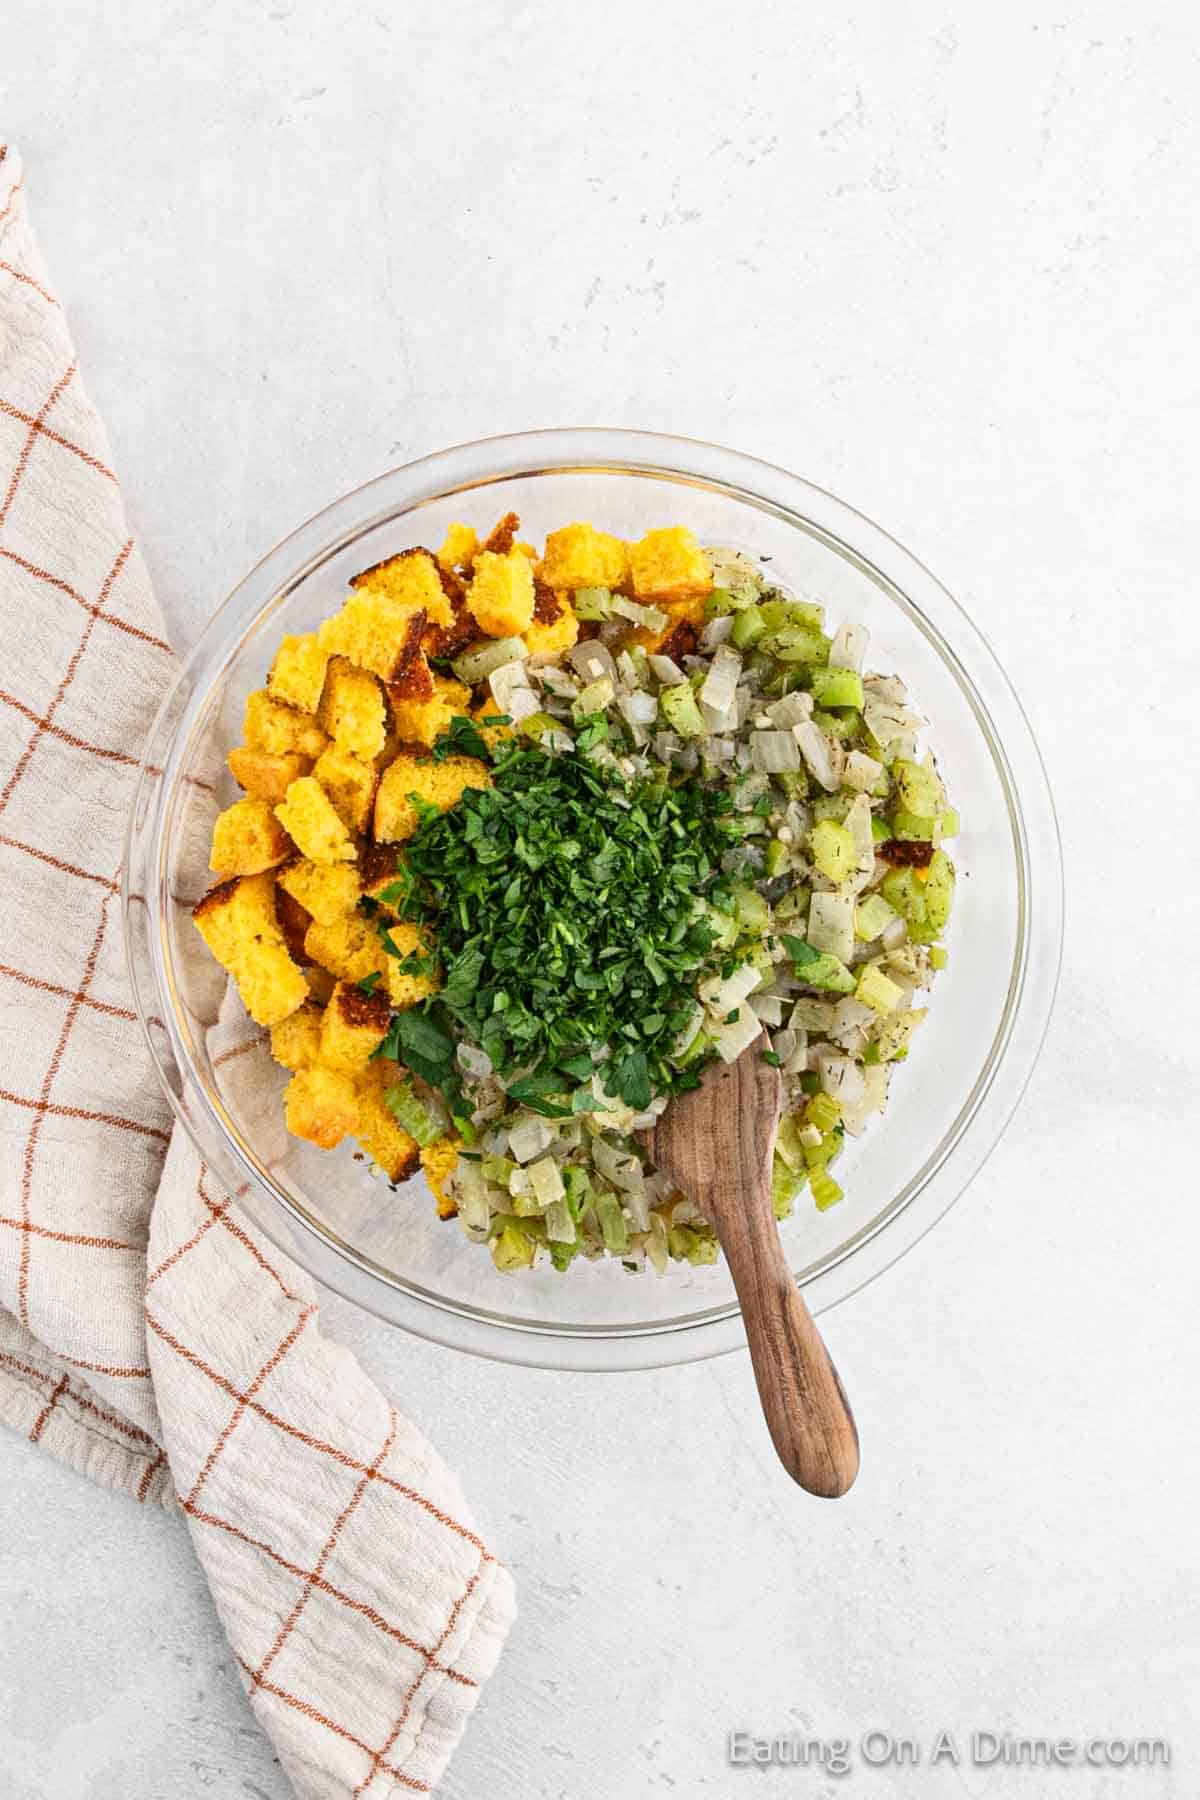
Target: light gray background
x=942 y=259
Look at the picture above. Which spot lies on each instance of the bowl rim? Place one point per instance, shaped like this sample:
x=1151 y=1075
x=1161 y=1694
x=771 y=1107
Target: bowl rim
x=985 y=1113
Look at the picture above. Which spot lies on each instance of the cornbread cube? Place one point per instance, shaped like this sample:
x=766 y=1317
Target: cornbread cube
x=325 y=890
x=414 y=682
x=555 y=627
x=237 y=921
x=442 y=784
x=321 y=1105
x=526 y=550
x=353 y=1025
x=491 y=734
x=669 y=565
x=405 y=989
x=247 y=838
x=378 y=869
x=413 y=579
x=349 y=947
x=310 y=819
x=298 y=673
x=279 y=729
x=294 y=921
x=438 y=1160
x=349 y=783
x=352 y=709
x=422 y=721
x=296 y=1040
x=459 y=549
x=502 y=536
x=264 y=776
x=375 y=631
x=501 y=593
x=380 y=1134
x=680 y=635
x=579 y=556
x=320 y=984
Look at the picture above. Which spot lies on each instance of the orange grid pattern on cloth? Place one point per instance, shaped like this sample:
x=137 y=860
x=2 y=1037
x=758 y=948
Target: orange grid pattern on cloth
x=147 y=1335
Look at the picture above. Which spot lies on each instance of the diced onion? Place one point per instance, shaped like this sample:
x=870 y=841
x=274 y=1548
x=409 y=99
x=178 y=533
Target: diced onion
x=768 y=1008
x=831 y=924
x=639 y=708
x=505 y=681
x=529 y=1137
x=720 y=684
x=651 y=617
x=817 y=753
x=592 y=660
x=721 y=997
x=475 y=664
x=848 y=648
x=717 y=631
x=474 y=1060
x=861 y=771
x=793 y=709
x=737 y=1035
x=775 y=751
x=841 y=1077
x=665 y=670
x=893 y=934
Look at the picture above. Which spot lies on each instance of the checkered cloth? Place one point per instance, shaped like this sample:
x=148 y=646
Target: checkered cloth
x=147 y=1335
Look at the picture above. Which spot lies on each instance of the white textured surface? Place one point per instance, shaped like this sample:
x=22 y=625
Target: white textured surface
x=941 y=259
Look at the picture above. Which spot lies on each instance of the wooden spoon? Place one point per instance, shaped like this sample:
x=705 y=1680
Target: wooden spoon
x=717 y=1143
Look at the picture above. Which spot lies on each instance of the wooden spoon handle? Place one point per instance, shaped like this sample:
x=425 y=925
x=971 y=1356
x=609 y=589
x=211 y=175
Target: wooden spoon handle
x=806 y=1409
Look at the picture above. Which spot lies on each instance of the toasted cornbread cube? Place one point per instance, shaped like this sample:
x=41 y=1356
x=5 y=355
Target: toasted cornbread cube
x=442 y=784
x=501 y=593
x=352 y=709
x=680 y=635
x=325 y=890
x=349 y=947
x=279 y=729
x=298 y=673
x=526 y=550
x=379 y=868
x=321 y=1105
x=411 y=578
x=376 y=632
x=422 y=721
x=669 y=565
x=491 y=734
x=438 y=1160
x=263 y=776
x=381 y=1136
x=354 y=1024
x=320 y=984
x=294 y=921
x=578 y=556
x=237 y=921
x=415 y=682
x=350 y=783
x=296 y=1040
x=460 y=546
x=555 y=627
x=247 y=838
x=502 y=536
x=405 y=987
x=310 y=819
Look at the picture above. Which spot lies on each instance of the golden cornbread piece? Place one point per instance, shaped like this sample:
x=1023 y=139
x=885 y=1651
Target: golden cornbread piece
x=501 y=538
x=438 y=1160
x=501 y=593
x=412 y=579
x=320 y=984
x=279 y=729
x=491 y=734
x=325 y=890
x=294 y=921
x=354 y=1024
x=298 y=673
x=264 y=776
x=320 y=1105
x=680 y=635
x=378 y=1131
x=555 y=627
x=441 y=784
x=669 y=565
x=423 y=721
x=247 y=838
x=352 y=709
x=349 y=947
x=310 y=819
x=237 y=921
x=296 y=1040
x=375 y=631
x=405 y=988
x=378 y=870
x=460 y=546
x=579 y=556
x=414 y=682
x=350 y=783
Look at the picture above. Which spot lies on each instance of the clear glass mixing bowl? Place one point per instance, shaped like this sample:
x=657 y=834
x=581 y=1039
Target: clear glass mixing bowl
x=949 y=1103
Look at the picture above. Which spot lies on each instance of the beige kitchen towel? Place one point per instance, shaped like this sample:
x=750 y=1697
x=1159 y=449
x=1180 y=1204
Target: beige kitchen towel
x=148 y=1335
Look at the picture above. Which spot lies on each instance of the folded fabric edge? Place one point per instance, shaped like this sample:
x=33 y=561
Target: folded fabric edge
x=52 y=1416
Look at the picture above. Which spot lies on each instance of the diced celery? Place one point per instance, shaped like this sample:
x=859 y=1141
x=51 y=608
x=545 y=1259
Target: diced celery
x=562 y=1255
x=513 y=1245
x=497 y=1168
x=825 y=1190
x=901 y=889
x=594 y=698
x=877 y=990
x=412 y=1114
x=485 y=657
x=748 y=627
x=879 y=830
x=794 y=903
x=560 y=1226
x=827 y=973
x=787 y=1144
x=796 y=644
x=697 y=1049
x=577 y=1189
x=538 y=724
x=750 y=909
x=794 y=782
x=688 y=1244
x=917 y=828
x=949 y=822
x=593 y=603
x=939 y=956
x=776 y=858
x=871 y=918
x=680 y=711
x=842 y=725
x=918 y=788
x=720 y=602
x=778 y=615
x=939 y=890
x=611 y=1220
x=832 y=806
x=823 y=1111
x=837 y=687
x=832 y=850
x=786 y=1183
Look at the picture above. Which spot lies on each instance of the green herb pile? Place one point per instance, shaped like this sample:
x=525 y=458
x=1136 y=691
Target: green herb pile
x=564 y=903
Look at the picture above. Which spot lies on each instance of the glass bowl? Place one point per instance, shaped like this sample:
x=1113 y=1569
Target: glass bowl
x=387 y=1249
